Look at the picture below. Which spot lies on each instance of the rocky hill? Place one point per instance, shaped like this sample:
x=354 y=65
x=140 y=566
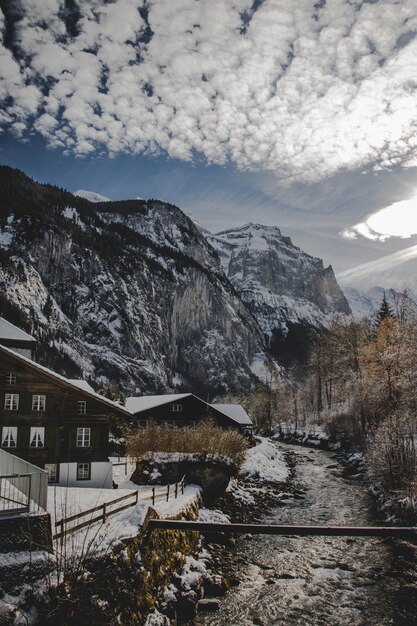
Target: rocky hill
x=133 y=293
x=291 y=294
x=124 y=292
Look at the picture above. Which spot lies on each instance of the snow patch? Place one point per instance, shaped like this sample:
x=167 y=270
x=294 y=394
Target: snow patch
x=265 y=462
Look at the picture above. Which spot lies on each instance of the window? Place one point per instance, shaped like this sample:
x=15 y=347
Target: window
x=38 y=403
x=176 y=408
x=9 y=437
x=11 y=401
x=141 y=423
x=82 y=407
x=11 y=379
x=37 y=436
x=83 y=471
x=52 y=470
x=83 y=437
x=169 y=423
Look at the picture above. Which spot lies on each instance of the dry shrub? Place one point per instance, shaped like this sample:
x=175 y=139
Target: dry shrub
x=206 y=438
x=392 y=456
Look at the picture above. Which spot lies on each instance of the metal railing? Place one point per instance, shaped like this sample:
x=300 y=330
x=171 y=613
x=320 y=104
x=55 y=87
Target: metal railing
x=24 y=487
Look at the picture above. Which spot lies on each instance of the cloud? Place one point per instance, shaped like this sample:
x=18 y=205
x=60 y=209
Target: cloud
x=381 y=270
x=397 y=220
x=287 y=87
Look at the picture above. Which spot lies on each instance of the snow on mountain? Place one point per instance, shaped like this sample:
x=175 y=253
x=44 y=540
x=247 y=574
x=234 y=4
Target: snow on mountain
x=133 y=293
x=125 y=292
x=365 y=304
x=91 y=196
x=284 y=287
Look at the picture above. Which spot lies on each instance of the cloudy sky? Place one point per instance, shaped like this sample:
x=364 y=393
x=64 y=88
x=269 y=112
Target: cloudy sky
x=295 y=113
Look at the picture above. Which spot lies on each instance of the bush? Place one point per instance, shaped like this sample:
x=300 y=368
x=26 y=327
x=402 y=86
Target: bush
x=206 y=438
x=392 y=456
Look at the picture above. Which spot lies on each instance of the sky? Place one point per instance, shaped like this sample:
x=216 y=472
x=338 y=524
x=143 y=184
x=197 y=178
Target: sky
x=300 y=114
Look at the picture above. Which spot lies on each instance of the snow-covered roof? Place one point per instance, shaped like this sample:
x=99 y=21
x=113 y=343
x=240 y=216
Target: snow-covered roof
x=82 y=384
x=236 y=412
x=141 y=403
x=85 y=388
x=12 y=332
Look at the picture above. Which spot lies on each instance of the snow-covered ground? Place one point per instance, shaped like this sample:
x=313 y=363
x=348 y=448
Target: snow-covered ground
x=265 y=461
x=98 y=537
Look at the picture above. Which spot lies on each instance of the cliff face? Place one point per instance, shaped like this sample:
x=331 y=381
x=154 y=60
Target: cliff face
x=127 y=292
x=288 y=291
x=132 y=292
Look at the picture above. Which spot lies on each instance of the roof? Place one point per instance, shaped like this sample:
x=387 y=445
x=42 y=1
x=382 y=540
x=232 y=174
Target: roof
x=141 y=403
x=82 y=384
x=236 y=412
x=12 y=332
x=74 y=383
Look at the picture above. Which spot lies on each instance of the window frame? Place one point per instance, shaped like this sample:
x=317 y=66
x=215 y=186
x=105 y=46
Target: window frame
x=81 y=407
x=5 y=439
x=176 y=407
x=11 y=378
x=38 y=402
x=82 y=437
x=52 y=476
x=88 y=466
x=9 y=400
x=34 y=437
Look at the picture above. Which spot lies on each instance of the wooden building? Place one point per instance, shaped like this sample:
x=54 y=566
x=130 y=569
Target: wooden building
x=186 y=409
x=15 y=338
x=58 y=424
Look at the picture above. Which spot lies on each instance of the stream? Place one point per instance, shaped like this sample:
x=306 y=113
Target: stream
x=314 y=581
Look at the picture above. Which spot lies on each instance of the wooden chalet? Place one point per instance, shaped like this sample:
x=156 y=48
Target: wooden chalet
x=15 y=338
x=186 y=409
x=58 y=424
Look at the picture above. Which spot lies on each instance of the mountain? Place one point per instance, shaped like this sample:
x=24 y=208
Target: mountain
x=290 y=293
x=133 y=293
x=126 y=292
x=367 y=303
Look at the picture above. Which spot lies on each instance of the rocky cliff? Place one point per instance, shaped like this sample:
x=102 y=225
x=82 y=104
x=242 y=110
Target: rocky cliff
x=133 y=293
x=291 y=293
x=123 y=292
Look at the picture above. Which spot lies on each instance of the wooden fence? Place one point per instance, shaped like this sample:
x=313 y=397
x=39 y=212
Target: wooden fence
x=105 y=510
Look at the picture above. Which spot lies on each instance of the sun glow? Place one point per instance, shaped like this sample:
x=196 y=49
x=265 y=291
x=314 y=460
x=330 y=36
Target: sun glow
x=396 y=220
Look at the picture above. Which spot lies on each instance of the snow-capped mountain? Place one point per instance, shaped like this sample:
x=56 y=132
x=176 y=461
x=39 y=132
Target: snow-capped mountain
x=92 y=196
x=129 y=292
x=288 y=291
x=132 y=292
x=365 y=304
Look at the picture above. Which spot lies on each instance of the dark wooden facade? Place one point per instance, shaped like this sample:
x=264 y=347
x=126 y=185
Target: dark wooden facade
x=60 y=419
x=193 y=410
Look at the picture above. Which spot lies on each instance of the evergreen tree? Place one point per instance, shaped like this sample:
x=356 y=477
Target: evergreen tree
x=385 y=311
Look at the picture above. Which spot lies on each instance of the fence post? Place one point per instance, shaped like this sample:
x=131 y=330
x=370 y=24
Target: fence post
x=167 y=493
x=182 y=486
x=30 y=492
x=176 y=490
x=137 y=497
x=126 y=468
x=104 y=512
x=153 y=495
x=61 y=539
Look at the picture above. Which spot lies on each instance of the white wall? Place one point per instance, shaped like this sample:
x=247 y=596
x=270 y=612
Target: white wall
x=101 y=475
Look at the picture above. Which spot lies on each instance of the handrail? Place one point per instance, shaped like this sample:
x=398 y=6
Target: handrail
x=105 y=506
